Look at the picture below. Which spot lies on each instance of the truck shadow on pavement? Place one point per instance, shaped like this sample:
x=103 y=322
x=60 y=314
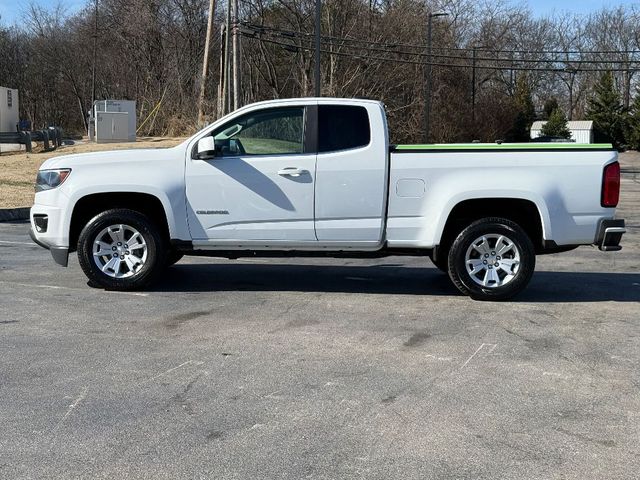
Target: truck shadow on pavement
x=388 y=279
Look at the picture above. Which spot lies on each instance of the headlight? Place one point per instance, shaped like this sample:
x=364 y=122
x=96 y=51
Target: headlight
x=48 y=179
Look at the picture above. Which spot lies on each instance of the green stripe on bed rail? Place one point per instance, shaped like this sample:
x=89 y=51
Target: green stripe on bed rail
x=508 y=146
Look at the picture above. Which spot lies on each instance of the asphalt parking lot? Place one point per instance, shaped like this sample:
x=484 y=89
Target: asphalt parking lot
x=319 y=368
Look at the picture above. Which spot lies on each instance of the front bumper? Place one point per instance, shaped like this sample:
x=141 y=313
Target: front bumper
x=610 y=234
x=60 y=254
x=46 y=225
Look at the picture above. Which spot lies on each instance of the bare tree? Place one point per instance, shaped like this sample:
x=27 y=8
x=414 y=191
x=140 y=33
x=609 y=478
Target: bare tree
x=152 y=51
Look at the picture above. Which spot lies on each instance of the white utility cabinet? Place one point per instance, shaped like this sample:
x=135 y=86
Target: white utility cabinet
x=115 y=121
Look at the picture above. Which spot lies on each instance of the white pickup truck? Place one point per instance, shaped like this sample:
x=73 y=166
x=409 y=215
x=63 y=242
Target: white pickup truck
x=317 y=176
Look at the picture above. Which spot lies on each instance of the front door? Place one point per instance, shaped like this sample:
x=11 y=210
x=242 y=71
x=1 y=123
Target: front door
x=258 y=186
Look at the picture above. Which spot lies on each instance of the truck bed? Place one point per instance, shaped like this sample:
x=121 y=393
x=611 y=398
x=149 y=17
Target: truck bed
x=563 y=180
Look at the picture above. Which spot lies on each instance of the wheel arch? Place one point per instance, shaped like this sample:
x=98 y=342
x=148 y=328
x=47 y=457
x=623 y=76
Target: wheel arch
x=524 y=211
x=90 y=205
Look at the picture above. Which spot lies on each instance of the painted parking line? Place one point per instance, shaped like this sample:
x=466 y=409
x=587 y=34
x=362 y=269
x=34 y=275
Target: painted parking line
x=58 y=287
x=18 y=243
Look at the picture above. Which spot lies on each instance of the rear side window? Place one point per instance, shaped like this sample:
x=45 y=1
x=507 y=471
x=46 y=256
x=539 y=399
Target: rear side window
x=342 y=128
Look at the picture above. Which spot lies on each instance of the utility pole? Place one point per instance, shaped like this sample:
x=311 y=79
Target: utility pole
x=205 y=63
x=370 y=17
x=227 y=56
x=236 y=58
x=626 y=86
x=473 y=86
x=427 y=83
x=512 y=76
x=317 y=49
x=221 y=86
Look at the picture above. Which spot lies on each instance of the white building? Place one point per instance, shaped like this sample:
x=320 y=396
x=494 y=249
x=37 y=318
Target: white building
x=581 y=130
x=8 y=109
x=9 y=116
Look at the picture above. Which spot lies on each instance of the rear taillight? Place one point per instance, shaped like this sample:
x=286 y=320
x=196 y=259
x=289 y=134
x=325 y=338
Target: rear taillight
x=611 y=185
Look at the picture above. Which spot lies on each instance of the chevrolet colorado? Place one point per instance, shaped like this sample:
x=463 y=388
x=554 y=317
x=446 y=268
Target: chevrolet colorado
x=317 y=176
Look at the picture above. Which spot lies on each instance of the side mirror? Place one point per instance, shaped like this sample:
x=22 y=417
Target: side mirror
x=206 y=148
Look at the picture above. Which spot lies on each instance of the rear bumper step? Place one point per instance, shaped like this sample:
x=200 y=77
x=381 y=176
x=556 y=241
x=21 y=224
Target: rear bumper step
x=610 y=234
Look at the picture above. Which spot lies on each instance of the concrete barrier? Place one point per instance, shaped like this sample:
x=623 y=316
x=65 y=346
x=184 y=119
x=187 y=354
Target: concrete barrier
x=14 y=214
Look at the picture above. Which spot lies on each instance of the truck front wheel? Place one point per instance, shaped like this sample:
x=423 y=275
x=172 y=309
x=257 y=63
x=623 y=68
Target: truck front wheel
x=492 y=259
x=121 y=249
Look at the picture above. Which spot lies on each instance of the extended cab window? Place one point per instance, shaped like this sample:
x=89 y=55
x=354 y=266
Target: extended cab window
x=342 y=127
x=274 y=131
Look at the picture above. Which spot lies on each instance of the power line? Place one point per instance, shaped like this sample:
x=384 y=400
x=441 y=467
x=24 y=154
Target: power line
x=512 y=60
x=498 y=59
x=393 y=45
x=514 y=64
x=293 y=48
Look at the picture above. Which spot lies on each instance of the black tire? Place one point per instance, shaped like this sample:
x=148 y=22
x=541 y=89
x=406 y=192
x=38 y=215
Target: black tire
x=172 y=257
x=493 y=226
x=155 y=243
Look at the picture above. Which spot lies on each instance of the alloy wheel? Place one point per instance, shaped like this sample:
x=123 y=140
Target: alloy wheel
x=119 y=251
x=492 y=260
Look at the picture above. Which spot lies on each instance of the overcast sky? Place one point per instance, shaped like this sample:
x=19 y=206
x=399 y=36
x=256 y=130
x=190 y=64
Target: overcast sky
x=11 y=10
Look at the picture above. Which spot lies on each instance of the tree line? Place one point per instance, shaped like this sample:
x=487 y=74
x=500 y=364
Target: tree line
x=495 y=66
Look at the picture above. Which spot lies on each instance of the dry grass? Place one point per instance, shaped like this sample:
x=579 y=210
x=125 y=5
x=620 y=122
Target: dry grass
x=18 y=170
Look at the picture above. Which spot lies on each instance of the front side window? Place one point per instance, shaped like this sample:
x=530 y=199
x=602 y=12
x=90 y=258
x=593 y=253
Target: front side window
x=342 y=127
x=275 y=131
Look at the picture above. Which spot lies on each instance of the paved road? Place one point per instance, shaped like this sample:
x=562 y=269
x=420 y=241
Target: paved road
x=322 y=369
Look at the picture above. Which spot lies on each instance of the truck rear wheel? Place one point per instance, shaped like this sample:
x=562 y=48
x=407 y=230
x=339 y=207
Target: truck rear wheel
x=121 y=249
x=492 y=259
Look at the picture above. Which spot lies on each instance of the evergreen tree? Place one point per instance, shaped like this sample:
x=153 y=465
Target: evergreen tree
x=556 y=126
x=607 y=112
x=526 y=112
x=549 y=106
x=633 y=130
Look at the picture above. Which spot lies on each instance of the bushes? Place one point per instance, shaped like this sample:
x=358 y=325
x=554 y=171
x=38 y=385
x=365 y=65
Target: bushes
x=607 y=112
x=556 y=126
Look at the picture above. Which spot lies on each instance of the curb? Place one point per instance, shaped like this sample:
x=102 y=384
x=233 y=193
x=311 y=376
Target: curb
x=13 y=214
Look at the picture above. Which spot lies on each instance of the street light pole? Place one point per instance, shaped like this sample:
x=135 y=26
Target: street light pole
x=427 y=83
x=474 y=58
x=95 y=56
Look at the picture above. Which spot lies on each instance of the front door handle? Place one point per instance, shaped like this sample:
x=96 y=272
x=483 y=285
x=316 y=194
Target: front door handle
x=291 y=172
